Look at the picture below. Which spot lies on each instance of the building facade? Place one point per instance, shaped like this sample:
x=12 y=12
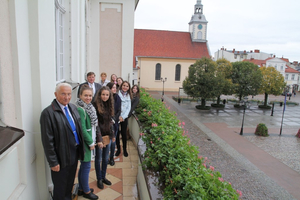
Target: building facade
x=44 y=43
x=160 y=54
x=291 y=76
x=234 y=55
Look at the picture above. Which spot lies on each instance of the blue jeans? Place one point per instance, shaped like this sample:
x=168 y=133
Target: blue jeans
x=83 y=176
x=113 y=146
x=101 y=155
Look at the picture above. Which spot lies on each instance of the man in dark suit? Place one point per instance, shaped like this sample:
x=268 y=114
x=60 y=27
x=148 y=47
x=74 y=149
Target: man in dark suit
x=91 y=82
x=62 y=141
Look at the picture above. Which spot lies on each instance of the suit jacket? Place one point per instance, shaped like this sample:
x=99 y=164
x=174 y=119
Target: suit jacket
x=57 y=135
x=97 y=87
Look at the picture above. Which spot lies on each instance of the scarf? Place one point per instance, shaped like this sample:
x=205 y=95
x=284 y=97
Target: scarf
x=123 y=93
x=90 y=110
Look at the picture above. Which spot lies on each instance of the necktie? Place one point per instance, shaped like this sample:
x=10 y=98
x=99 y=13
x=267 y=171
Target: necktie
x=71 y=124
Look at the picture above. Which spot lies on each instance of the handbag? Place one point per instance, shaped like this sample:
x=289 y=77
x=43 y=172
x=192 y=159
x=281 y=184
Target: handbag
x=106 y=140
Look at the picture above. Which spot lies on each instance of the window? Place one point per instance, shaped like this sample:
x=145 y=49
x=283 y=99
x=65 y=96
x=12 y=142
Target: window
x=286 y=77
x=158 y=71
x=242 y=55
x=276 y=67
x=235 y=56
x=199 y=35
x=59 y=31
x=281 y=68
x=177 y=72
x=293 y=76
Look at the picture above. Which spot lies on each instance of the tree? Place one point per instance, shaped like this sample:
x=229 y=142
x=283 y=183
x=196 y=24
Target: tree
x=201 y=80
x=224 y=71
x=272 y=82
x=246 y=78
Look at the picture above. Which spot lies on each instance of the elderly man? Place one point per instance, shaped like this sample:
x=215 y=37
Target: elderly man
x=62 y=141
x=91 y=82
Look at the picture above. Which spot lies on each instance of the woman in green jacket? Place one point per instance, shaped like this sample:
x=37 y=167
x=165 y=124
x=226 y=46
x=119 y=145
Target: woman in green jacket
x=91 y=136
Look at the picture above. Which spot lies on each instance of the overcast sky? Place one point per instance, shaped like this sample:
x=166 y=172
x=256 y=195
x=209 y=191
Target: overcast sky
x=272 y=26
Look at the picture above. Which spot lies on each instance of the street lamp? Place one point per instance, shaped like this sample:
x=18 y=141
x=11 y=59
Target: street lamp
x=245 y=105
x=163 y=92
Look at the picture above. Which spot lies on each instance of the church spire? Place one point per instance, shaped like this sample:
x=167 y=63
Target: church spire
x=198 y=24
x=198 y=8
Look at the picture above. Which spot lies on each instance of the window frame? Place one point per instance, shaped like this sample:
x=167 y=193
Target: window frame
x=59 y=40
x=157 y=67
x=177 y=74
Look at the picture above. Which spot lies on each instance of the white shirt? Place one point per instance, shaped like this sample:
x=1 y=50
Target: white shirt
x=92 y=85
x=63 y=109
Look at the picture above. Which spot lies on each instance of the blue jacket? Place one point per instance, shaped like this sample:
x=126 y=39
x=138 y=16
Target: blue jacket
x=125 y=105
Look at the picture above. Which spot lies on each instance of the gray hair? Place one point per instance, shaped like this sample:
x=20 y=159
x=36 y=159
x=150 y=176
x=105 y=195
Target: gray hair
x=61 y=85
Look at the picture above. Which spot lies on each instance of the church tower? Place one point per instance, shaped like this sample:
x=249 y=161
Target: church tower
x=198 y=24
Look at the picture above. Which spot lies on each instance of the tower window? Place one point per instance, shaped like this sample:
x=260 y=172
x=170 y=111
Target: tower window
x=158 y=71
x=199 y=35
x=177 y=72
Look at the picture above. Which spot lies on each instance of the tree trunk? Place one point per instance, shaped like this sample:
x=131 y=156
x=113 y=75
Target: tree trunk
x=203 y=102
x=266 y=99
x=218 y=100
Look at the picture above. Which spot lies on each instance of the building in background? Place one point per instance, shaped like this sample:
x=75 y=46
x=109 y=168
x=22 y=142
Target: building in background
x=234 y=55
x=291 y=76
x=44 y=43
x=169 y=54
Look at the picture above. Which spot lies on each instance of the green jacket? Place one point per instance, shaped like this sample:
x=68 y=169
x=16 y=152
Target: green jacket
x=86 y=132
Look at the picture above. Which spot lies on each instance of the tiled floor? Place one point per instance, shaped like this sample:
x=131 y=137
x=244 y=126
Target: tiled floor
x=122 y=175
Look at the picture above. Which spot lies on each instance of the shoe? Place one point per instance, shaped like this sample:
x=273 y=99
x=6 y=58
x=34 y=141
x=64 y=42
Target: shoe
x=125 y=153
x=111 y=162
x=100 y=184
x=90 y=195
x=80 y=192
x=105 y=181
x=118 y=152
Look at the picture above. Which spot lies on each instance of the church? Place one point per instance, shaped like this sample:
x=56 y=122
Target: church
x=161 y=55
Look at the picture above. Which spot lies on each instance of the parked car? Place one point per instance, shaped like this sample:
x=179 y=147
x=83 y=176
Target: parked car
x=289 y=94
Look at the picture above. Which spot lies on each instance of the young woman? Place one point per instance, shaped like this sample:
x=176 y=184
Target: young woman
x=89 y=123
x=125 y=96
x=117 y=107
x=113 y=78
x=104 y=105
x=135 y=90
x=119 y=83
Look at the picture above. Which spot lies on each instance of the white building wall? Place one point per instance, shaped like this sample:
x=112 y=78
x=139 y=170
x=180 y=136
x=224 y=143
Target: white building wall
x=127 y=37
x=28 y=80
x=278 y=64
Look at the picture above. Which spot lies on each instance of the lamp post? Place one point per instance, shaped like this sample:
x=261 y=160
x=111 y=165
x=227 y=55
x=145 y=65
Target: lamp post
x=163 y=92
x=245 y=104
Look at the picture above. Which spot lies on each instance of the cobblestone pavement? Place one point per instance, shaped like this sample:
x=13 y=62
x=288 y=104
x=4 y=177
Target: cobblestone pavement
x=252 y=164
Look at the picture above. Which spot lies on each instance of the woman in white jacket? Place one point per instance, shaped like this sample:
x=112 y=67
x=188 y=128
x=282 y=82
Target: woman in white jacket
x=125 y=96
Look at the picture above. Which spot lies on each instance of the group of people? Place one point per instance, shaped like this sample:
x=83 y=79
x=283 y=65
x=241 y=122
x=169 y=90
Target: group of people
x=89 y=130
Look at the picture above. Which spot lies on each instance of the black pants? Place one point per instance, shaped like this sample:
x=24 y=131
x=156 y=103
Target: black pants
x=63 y=182
x=124 y=135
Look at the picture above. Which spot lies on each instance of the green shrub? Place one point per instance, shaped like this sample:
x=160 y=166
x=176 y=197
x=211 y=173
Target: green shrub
x=265 y=107
x=261 y=130
x=203 y=107
x=183 y=174
x=217 y=105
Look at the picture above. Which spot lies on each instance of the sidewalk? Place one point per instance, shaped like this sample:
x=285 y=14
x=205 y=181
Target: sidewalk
x=262 y=168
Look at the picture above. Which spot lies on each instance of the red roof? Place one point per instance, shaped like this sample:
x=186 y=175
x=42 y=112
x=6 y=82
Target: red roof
x=167 y=44
x=284 y=59
x=290 y=70
x=257 y=62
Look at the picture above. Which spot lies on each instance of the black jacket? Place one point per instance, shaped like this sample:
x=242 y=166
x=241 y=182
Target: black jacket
x=59 y=145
